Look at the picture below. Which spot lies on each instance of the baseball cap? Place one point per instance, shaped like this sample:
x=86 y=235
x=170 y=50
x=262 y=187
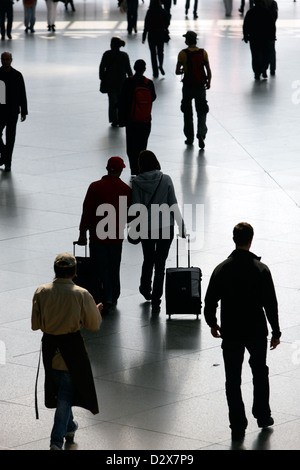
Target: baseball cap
x=115 y=164
x=190 y=35
x=65 y=260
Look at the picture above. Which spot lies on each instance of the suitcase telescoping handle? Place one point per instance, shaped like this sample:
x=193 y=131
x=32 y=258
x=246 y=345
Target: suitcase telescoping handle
x=189 y=251
x=76 y=243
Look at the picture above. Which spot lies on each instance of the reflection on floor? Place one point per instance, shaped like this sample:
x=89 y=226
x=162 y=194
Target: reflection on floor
x=160 y=383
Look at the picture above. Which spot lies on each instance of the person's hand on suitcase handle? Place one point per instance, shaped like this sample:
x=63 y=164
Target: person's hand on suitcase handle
x=82 y=240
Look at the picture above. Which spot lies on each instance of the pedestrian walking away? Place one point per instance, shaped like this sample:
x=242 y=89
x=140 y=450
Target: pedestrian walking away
x=245 y=288
x=260 y=31
x=154 y=189
x=187 y=6
x=106 y=230
x=13 y=103
x=135 y=113
x=156 y=25
x=113 y=70
x=193 y=63
x=29 y=15
x=60 y=309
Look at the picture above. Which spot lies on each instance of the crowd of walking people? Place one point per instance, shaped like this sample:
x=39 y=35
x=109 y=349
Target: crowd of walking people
x=241 y=279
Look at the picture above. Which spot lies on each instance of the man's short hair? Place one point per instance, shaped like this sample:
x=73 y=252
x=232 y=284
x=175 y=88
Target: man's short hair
x=243 y=234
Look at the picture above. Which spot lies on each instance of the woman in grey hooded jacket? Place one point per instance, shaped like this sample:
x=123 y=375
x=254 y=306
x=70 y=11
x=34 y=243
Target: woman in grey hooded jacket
x=155 y=192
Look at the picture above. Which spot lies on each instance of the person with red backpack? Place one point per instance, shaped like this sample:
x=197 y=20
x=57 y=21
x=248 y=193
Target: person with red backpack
x=135 y=106
x=193 y=63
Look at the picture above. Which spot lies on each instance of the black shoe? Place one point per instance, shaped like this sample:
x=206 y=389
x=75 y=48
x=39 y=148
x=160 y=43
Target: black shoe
x=264 y=423
x=237 y=434
x=264 y=74
x=145 y=294
x=201 y=143
x=7 y=168
x=53 y=28
x=155 y=308
x=161 y=70
x=188 y=142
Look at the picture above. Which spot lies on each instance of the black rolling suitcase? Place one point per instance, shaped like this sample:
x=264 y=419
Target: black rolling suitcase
x=85 y=276
x=183 y=288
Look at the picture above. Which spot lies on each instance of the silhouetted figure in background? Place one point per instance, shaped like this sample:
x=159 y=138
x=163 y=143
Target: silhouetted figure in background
x=29 y=14
x=156 y=26
x=242 y=7
x=113 y=70
x=135 y=108
x=194 y=64
x=260 y=31
x=228 y=7
x=15 y=103
x=51 y=14
x=245 y=288
x=273 y=8
x=132 y=15
x=6 y=13
x=187 y=6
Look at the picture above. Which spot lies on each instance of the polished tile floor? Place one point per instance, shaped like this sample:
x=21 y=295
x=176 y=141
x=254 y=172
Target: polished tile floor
x=160 y=383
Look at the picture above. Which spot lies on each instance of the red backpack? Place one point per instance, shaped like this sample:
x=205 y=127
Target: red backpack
x=141 y=103
x=195 y=74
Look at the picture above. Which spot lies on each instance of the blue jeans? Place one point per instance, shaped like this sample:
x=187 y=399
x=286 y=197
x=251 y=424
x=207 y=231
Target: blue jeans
x=63 y=418
x=29 y=16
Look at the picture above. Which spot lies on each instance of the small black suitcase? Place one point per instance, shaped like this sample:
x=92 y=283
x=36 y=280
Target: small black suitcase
x=183 y=288
x=86 y=276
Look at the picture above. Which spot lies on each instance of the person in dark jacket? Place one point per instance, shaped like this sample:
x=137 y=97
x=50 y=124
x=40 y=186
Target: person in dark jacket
x=60 y=309
x=260 y=31
x=138 y=127
x=13 y=101
x=248 y=299
x=113 y=70
x=156 y=25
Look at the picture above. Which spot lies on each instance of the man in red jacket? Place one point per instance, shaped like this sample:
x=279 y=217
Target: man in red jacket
x=104 y=215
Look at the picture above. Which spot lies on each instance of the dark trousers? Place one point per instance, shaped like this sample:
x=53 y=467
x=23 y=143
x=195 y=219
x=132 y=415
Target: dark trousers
x=156 y=46
x=261 y=54
x=198 y=95
x=9 y=123
x=187 y=6
x=155 y=255
x=6 y=12
x=137 y=135
x=233 y=354
x=113 y=110
x=106 y=258
x=132 y=14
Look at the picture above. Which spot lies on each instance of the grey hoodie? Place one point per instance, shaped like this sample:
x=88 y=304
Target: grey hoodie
x=143 y=188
